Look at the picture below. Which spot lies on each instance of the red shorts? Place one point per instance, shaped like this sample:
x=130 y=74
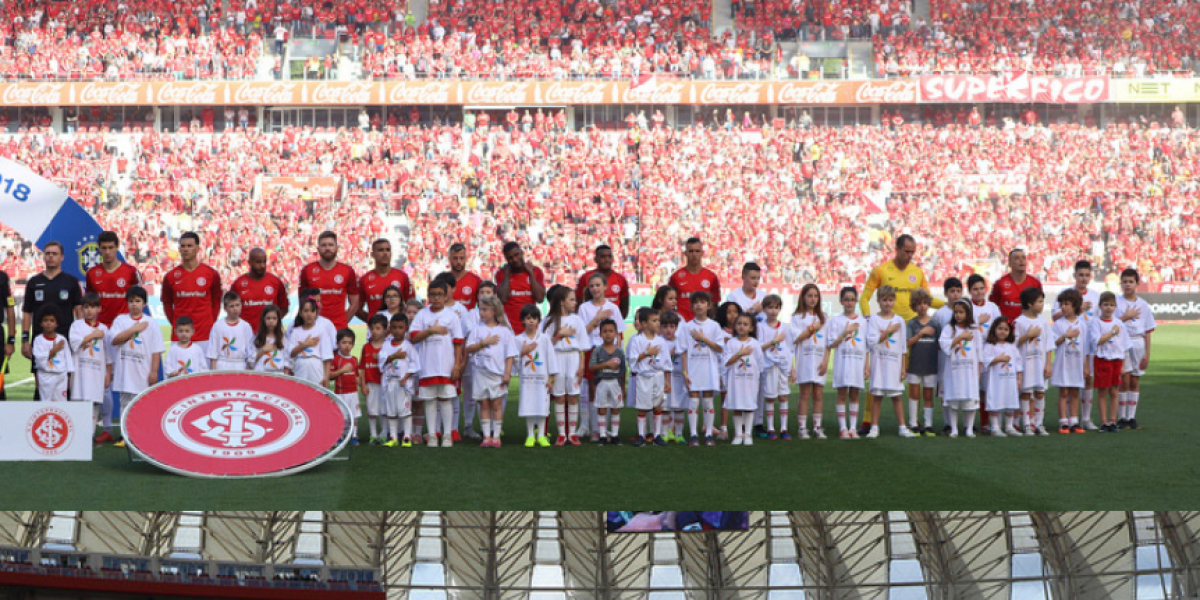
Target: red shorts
x=1107 y=373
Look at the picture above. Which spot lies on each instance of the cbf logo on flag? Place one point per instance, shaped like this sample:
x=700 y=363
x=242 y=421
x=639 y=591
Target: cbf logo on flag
x=41 y=211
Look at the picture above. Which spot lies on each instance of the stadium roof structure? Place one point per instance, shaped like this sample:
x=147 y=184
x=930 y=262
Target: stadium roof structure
x=548 y=555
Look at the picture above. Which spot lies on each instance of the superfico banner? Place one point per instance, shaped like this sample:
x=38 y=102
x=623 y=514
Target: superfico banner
x=235 y=424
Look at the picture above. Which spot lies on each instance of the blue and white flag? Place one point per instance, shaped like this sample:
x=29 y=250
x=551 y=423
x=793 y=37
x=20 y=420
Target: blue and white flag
x=42 y=212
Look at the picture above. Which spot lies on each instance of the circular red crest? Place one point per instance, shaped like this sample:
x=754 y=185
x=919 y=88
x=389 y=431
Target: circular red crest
x=228 y=424
x=49 y=431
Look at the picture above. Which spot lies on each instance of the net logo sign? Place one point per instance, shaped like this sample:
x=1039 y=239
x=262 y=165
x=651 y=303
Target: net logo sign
x=235 y=424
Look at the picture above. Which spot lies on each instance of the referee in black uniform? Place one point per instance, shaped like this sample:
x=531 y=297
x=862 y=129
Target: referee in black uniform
x=8 y=315
x=52 y=287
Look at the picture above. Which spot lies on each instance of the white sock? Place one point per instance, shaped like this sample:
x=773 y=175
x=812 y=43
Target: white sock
x=614 y=423
x=658 y=423
x=531 y=426
x=680 y=417
x=928 y=417
x=953 y=422
x=841 y=416
x=560 y=419
x=737 y=425
x=446 y=407
x=913 y=405
x=393 y=425
x=455 y=401
x=96 y=408
x=969 y=420
x=1039 y=412
x=602 y=424
x=1085 y=406
x=541 y=427
x=692 y=416
x=709 y=415
x=995 y=420
x=1025 y=420
x=372 y=424
x=431 y=407
x=852 y=424
x=1122 y=403
x=572 y=418
x=407 y=426
x=783 y=415
x=641 y=424
x=769 y=415
x=1131 y=408
x=818 y=411
x=485 y=427
x=1008 y=421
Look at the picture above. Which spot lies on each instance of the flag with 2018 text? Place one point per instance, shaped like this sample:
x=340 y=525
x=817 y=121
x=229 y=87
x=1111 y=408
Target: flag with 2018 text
x=43 y=212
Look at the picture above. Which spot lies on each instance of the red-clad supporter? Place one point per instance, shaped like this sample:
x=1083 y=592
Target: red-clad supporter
x=260 y=289
x=1006 y=292
x=466 y=288
x=831 y=196
x=373 y=283
x=111 y=279
x=336 y=282
x=693 y=277
x=518 y=283
x=617 y=288
x=193 y=289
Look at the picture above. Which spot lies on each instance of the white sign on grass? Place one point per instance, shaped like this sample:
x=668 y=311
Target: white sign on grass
x=45 y=431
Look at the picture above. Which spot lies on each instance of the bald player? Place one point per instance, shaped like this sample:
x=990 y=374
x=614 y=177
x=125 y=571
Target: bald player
x=260 y=289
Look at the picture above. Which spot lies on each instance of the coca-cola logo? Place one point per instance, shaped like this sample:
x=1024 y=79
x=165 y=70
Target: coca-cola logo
x=420 y=93
x=576 y=93
x=498 y=93
x=230 y=424
x=49 y=94
x=342 y=93
x=109 y=93
x=895 y=92
x=258 y=93
x=187 y=93
x=741 y=93
x=824 y=92
x=661 y=93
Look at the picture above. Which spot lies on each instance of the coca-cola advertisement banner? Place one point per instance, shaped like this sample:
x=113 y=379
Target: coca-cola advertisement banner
x=512 y=93
x=1019 y=88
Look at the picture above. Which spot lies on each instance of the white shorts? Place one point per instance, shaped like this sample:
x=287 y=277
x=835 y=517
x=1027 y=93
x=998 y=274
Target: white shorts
x=374 y=399
x=566 y=383
x=650 y=390
x=52 y=387
x=396 y=399
x=775 y=383
x=962 y=404
x=351 y=400
x=441 y=391
x=1035 y=389
x=1134 y=356
x=608 y=395
x=925 y=381
x=885 y=393
x=487 y=386
x=678 y=399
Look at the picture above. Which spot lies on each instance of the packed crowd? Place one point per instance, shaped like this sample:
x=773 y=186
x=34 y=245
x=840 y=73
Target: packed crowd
x=1105 y=37
x=808 y=204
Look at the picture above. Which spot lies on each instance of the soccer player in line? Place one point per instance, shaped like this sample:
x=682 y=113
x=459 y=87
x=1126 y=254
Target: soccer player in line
x=1139 y=324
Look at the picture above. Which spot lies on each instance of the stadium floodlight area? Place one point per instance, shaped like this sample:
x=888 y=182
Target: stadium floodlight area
x=550 y=555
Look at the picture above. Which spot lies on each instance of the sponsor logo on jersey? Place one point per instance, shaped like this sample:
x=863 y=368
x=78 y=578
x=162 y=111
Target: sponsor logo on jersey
x=234 y=425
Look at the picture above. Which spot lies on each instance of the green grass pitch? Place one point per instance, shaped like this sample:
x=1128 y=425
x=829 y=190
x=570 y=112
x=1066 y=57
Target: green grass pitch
x=1151 y=469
